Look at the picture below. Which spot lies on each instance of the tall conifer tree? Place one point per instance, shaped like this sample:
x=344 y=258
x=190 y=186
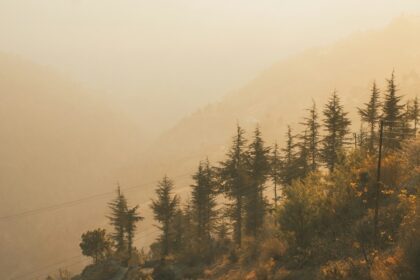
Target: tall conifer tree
x=164 y=209
x=336 y=125
x=258 y=168
x=118 y=220
x=275 y=171
x=289 y=173
x=311 y=126
x=203 y=198
x=393 y=115
x=132 y=218
x=370 y=114
x=415 y=113
x=302 y=164
x=407 y=131
x=233 y=179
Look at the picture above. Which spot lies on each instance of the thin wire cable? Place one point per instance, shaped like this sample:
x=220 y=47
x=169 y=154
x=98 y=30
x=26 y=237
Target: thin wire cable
x=147 y=232
x=58 y=264
x=77 y=201
x=141 y=235
x=96 y=196
x=44 y=267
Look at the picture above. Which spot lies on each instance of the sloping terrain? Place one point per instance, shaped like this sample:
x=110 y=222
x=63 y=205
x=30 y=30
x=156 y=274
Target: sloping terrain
x=57 y=137
x=59 y=142
x=279 y=96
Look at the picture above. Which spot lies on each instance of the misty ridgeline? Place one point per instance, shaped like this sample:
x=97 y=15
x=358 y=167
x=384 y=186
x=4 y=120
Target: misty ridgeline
x=329 y=204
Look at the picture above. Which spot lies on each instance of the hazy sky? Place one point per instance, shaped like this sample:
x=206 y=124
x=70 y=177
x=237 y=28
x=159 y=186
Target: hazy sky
x=172 y=56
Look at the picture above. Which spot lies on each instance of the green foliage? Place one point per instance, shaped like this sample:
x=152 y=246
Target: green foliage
x=312 y=137
x=414 y=114
x=370 y=114
x=411 y=247
x=258 y=170
x=233 y=179
x=336 y=126
x=103 y=270
x=95 y=244
x=118 y=219
x=323 y=228
x=275 y=171
x=346 y=269
x=303 y=164
x=203 y=198
x=131 y=220
x=289 y=172
x=164 y=272
x=302 y=213
x=164 y=209
x=124 y=220
x=392 y=115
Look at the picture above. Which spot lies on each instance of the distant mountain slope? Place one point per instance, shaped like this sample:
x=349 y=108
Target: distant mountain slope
x=280 y=95
x=58 y=142
x=60 y=139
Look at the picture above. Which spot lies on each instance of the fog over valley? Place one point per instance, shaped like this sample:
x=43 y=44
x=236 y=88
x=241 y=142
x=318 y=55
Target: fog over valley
x=99 y=94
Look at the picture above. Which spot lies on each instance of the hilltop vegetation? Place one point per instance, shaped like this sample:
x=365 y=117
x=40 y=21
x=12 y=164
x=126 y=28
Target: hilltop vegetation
x=328 y=205
x=71 y=142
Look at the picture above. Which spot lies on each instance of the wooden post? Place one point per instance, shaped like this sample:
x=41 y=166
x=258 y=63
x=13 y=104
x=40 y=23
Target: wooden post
x=378 y=184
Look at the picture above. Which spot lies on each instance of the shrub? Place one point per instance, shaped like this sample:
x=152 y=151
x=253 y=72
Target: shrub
x=272 y=249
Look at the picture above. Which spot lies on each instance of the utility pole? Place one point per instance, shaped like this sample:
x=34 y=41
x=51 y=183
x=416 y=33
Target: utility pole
x=378 y=183
x=274 y=177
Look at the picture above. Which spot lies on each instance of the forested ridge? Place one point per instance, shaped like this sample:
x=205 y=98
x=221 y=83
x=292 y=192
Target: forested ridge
x=327 y=203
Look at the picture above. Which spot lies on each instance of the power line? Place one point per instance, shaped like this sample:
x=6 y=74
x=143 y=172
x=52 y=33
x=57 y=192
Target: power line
x=58 y=264
x=99 y=195
x=145 y=232
x=44 y=267
x=84 y=199
x=75 y=202
x=141 y=235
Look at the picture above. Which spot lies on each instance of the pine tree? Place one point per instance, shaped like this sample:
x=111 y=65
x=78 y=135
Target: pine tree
x=183 y=227
x=132 y=218
x=164 y=209
x=370 y=114
x=415 y=113
x=203 y=199
x=289 y=173
x=222 y=230
x=406 y=130
x=179 y=228
x=392 y=115
x=118 y=220
x=259 y=167
x=336 y=126
x=363 y=137
x=302 y=163
x=233 y=179
x=275 y=171
x=311 y=126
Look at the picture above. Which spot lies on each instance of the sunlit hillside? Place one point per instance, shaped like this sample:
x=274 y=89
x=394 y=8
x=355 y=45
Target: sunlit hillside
x=280 y=95
x=60 y=142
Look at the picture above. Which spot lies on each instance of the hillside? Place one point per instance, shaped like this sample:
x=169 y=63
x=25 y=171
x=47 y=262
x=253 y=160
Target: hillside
x=59 y=142
x=280 y=95
x=58 y=137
